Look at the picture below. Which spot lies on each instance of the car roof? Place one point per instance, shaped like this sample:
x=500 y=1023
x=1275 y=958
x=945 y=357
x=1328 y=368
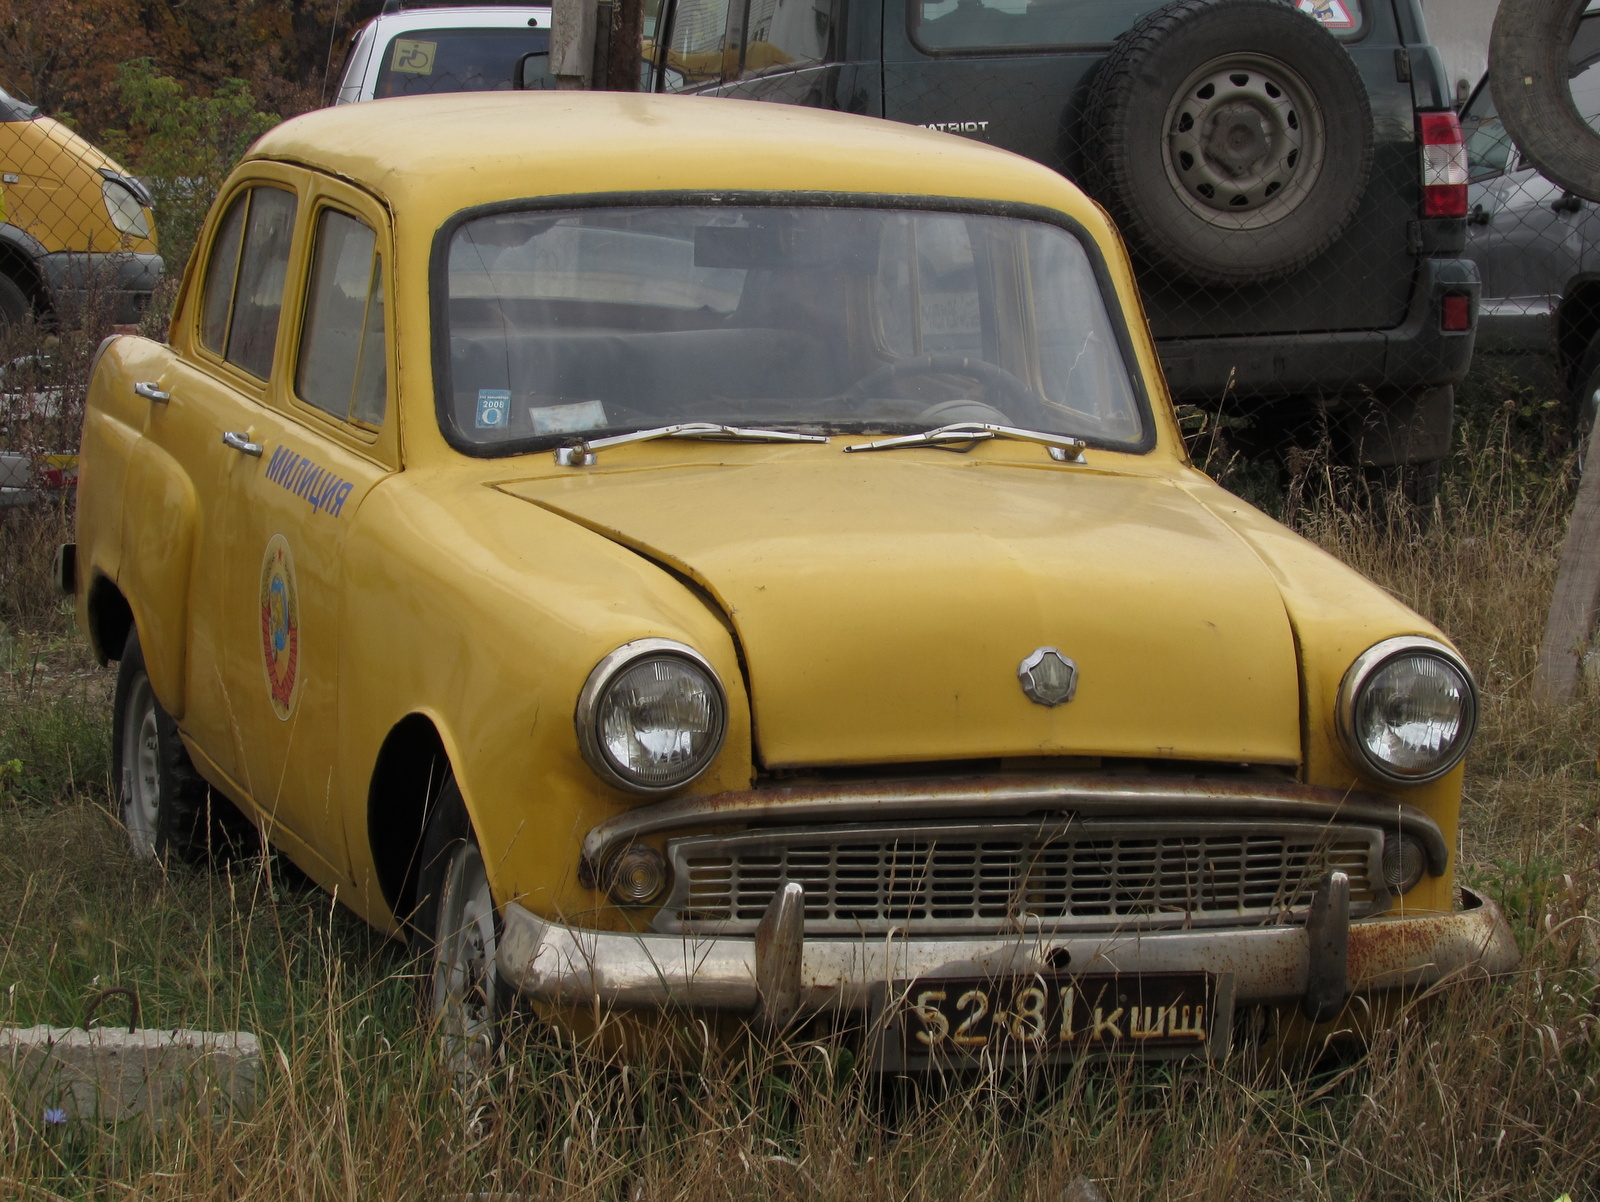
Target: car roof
x=430 y=156
x=485 y=17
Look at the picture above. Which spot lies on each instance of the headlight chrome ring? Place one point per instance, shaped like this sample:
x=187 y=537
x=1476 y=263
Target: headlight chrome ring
x=663 y=680
x=1358 y=708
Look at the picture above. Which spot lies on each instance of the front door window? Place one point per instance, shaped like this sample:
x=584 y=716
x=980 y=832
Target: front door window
x=245 y=277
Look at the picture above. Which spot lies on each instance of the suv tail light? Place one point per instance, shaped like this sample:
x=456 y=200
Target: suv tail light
x=1444 y=165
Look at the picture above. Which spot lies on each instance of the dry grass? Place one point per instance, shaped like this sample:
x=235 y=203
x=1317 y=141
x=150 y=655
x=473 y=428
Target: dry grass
x=1476 y=1093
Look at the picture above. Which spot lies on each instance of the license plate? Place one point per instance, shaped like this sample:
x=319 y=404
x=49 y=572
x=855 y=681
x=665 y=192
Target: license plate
x=1056 y=1015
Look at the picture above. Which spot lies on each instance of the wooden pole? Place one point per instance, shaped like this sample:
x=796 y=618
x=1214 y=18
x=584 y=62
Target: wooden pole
x=626 y=49
x=1577 y=594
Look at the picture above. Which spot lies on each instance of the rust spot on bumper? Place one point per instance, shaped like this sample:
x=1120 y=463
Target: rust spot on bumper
x=1387 y=953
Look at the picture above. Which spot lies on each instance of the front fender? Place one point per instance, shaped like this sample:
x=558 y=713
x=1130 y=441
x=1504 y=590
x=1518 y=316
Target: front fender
x=158 y=535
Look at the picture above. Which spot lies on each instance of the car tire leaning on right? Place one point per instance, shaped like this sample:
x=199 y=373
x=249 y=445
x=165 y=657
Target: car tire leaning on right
x=166 y=806
x=1529 y=72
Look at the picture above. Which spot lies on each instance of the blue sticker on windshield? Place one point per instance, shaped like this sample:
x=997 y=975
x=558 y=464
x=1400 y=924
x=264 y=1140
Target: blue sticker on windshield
x=494 y=408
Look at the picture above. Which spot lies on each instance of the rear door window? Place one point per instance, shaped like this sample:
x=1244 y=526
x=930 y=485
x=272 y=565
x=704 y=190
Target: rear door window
x=342 y=368
x=994 y=24
x=988 y=24
x=245 y=277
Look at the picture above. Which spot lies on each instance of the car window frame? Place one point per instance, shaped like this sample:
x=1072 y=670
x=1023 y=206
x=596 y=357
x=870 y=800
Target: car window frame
x=192 y=303
x=380 y=443
x=310 y=188
x=439 y=284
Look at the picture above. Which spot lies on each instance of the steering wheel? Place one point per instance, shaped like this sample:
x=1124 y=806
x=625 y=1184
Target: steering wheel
x=1006 y=386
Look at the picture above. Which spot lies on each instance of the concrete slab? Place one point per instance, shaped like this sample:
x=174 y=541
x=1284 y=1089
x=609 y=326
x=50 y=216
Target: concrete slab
x=114 y=1075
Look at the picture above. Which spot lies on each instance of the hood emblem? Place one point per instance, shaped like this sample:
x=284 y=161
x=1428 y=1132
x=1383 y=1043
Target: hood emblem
x=1048 y=677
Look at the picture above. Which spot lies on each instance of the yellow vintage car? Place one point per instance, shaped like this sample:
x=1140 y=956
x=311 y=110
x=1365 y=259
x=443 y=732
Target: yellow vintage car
x=75 y=228
x=673 y=554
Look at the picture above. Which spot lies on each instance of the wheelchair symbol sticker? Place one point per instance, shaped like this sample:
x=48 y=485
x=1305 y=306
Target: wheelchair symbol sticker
x=412 y=57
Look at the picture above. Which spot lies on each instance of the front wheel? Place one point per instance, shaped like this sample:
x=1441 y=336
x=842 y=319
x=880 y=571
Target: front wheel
x=456 y=932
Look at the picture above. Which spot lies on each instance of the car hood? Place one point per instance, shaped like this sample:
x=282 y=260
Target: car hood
x=883 y=605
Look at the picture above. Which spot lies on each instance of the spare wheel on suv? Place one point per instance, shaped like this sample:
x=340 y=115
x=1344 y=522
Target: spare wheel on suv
x=1230 y=139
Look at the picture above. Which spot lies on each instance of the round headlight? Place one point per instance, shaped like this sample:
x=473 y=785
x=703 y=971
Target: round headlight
x=1407 y=709
x=651 y=716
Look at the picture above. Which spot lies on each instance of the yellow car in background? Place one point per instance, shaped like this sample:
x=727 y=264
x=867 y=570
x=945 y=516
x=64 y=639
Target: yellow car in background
x=742 y=559
x=75 y=228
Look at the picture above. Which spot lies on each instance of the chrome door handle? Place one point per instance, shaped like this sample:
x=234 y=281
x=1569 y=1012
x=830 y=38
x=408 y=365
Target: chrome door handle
x=242 y=444
x=151 y=393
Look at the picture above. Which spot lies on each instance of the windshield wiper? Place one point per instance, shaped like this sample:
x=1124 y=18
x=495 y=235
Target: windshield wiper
x=583 y=453
x=1061 y=448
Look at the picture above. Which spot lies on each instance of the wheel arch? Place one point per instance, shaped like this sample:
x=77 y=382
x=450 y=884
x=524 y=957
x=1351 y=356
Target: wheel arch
x=412 y=767
x=110 y=618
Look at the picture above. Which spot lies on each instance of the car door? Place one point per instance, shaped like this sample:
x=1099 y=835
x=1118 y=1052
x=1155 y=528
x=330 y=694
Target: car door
x=216 y=382
x=321 y=438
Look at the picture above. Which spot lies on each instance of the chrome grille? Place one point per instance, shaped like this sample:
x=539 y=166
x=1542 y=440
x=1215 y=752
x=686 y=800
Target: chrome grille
x=968 y=877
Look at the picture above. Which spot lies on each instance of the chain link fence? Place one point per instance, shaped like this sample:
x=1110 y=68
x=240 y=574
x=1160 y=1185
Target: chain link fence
x=78 y=259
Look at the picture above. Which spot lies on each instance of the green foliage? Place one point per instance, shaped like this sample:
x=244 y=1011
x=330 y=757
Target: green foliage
x=183 y=146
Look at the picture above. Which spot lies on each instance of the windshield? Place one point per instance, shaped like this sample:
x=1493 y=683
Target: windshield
x=815 y=320
x=425 y=61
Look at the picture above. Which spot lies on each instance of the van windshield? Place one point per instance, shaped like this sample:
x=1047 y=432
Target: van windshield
x=422 y=62
x=807 y=319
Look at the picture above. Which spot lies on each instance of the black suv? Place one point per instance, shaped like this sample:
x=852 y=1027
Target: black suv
x=1288 y=173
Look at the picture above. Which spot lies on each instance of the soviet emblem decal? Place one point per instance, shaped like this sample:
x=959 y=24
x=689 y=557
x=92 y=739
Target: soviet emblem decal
x=280 y=626
x=1048 y=677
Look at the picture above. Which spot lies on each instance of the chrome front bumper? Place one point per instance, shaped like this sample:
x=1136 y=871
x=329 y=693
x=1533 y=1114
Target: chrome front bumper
x=561 y=965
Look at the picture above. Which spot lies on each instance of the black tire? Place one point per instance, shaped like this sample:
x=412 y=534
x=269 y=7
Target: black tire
x=1231 y=140
x=1529 y=77
x=167 y=808
x=1583 y=403
x=455 y=931
x=14 y=306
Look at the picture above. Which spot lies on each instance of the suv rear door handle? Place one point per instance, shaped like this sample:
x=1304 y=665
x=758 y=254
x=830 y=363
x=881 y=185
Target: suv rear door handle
x=242 y=443
x=151 y=393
